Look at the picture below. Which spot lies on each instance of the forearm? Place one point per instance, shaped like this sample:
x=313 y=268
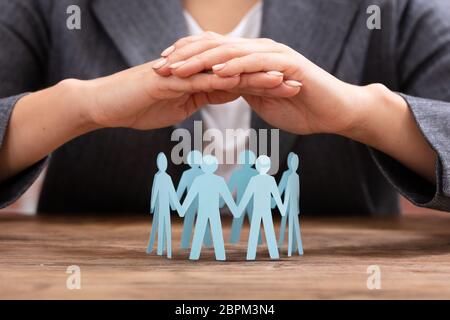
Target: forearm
x=320 y=103
x=389 y=126
x=40 y=123
x=135 y=98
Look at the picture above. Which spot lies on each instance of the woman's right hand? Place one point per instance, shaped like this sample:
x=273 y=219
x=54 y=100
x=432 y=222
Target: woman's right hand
x=139 y=98
x=136 y=98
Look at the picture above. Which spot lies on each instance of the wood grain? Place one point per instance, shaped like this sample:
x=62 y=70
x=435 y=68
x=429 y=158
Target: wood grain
x=412 y=252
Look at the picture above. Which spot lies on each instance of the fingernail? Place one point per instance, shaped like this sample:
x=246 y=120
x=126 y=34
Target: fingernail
x=293 y=83
x=275 y=74
x=159 y=64
x=168 y=51
x=177 y=64
x=218 y=67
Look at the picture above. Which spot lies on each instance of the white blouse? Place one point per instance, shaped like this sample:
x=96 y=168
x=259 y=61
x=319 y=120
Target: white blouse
x=235 y=114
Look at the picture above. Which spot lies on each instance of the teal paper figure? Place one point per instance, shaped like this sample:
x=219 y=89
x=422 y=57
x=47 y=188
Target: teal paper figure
x=194 y=159
x=262 y=188
x=155 y=223
x=281 y=189
x=292 y=205
x=151 y=242
x=162 y=198
x=209 y=188
x=239 y=181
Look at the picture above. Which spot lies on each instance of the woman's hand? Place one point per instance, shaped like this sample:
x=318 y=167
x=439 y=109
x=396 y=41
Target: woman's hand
x=308 y=100
x=139 y=98
x=135 y=98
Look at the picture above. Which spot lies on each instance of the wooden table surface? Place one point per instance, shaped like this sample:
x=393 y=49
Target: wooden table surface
x=413 y=254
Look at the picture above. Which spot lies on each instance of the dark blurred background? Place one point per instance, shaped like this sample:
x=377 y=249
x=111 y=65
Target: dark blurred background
x=28 y=202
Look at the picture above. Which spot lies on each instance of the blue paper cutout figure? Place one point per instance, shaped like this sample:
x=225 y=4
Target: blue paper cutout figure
x=194 y=159
x=151 y=242
x=281 y=189
x=209 y=188
x=262 y=188
x=292 y=205
x=162 y=198
x=155 y=223
x=239 y=181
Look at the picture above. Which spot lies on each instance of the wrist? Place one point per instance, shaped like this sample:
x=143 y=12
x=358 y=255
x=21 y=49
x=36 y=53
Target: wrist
x=78 y=97
x=378 y=110
x=389 y=126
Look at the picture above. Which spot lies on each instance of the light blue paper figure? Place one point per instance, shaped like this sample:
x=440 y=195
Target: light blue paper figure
x=292 y=205
x=262 y=188
x=281 y=189
x=151 y=242
x=239 y=181
x=194 y=159
x=163 y=197
x=209 y=188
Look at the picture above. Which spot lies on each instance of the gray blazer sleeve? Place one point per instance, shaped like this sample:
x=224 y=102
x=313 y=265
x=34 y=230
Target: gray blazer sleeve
x=23 y=55
x=423 y=62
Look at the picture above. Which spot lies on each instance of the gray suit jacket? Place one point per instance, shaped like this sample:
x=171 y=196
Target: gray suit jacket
x=111 y=170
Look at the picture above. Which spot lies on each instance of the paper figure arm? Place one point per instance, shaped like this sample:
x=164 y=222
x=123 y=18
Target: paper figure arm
x=232 y=185
x=154 y=194
x=174 y=201
x=190 y=197
x=233 y=182
x=245 y=199
x=298 y=196
x=182 y=186
x=277 y=197
x=281 y=187
x=287 y=195
x=228 y=198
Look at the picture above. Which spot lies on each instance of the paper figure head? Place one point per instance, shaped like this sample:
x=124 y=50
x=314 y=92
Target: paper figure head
x=290 y=155
x=263 y=164
x=247 y=158
x=293 y=161
x=194 y=159
x=209 y=164
x=161 y=162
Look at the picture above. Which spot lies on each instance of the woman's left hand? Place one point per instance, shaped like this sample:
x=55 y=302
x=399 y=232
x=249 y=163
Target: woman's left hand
x=308 y=101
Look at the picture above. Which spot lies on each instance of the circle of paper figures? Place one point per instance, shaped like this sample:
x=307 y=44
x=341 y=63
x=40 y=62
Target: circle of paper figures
x=257 y=193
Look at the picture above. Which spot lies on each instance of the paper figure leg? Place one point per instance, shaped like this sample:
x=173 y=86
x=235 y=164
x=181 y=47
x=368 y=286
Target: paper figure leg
x=295 y=242
x=282 y=230
x=219 y=246
x=161 y=234
x=270 y=236
x=207 y=240
x=189 y=219
x=199 y=235
x=250 y=219
x=151 y=242
x=291 y=236
x=294 y=238
x=298 y=235
x=255 y=227
x=168 y=233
